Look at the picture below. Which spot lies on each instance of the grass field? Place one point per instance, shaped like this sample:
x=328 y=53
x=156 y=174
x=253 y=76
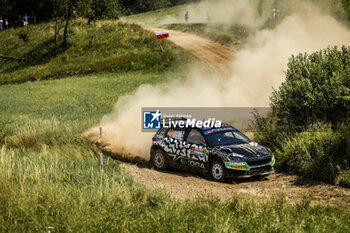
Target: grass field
x=106 y=46
x=49 y=174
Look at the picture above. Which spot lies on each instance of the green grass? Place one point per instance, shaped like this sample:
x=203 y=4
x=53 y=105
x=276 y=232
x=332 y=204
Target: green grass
x=106 y=46
x=44 y=189
x=157 y=16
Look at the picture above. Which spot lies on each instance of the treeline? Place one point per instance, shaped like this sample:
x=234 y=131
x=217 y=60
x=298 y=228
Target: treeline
x=44 y=9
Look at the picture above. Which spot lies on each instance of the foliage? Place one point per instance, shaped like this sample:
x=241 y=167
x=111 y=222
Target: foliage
x=317 y=88
x=346 y=5
x=93 y=48
x=45 y=9
x=106 y=9
x=316 y=92
x=318 y=153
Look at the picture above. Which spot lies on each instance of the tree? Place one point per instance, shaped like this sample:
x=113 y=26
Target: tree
x=63 y=12
x=346 y=6
x=317 y=88
x=106 y=9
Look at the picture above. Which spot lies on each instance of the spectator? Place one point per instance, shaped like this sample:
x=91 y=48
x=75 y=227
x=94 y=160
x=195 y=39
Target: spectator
x=91 y=16
x=19 y=21
x=34 y=19
x=186 y=16
x=25 y=20
x=6 y=24
x=273 y=13
x=1 y=24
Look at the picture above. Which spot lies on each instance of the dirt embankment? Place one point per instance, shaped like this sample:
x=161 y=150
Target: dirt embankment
x=217 y=56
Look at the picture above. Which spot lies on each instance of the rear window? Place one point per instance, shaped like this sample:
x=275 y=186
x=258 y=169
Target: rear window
x=176 y=133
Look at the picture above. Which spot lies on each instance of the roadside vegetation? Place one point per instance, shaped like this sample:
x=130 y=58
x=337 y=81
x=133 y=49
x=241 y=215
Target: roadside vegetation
x=308 y=128
x=106 y=46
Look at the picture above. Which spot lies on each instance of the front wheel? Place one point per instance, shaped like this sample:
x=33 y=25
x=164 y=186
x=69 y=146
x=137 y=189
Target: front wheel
x=218 y=171
x=158 y=160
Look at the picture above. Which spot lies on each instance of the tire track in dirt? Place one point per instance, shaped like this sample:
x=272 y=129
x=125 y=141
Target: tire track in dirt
x=181 y=185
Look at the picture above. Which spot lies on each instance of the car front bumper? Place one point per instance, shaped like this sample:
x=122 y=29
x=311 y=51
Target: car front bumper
x=259 y=171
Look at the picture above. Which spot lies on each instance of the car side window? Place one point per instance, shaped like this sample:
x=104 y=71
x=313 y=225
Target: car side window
x=162 y=131
x=176 y=133
x=195 y=137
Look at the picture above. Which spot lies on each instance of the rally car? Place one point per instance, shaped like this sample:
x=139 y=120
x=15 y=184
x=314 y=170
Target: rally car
x=221 y=152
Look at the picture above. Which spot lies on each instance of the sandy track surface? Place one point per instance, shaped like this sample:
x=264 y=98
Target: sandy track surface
x=217 y=56
x=182 y=186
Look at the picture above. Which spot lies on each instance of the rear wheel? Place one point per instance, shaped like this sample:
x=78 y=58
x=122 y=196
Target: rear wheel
x=218 y=171
x=159 y=160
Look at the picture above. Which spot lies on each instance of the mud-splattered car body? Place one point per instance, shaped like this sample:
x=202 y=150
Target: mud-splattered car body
x=222 y=152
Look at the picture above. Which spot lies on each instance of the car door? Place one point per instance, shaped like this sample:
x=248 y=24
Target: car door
x=175 y=146
x=198 y=154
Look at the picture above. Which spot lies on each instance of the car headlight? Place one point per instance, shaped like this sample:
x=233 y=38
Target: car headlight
x=237 y=158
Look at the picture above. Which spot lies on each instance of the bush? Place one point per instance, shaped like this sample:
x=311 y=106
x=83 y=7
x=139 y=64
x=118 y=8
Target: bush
x=319 y=154
x=317 y=88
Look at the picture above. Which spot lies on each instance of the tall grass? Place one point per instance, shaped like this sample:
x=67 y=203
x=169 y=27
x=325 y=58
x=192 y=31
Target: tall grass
x=44 y=189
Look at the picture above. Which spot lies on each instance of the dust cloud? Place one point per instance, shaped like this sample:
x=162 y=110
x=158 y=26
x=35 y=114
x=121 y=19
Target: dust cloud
x=257 y=68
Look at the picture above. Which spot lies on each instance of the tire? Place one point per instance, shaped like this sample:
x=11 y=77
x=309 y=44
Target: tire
x=218 y=171
x=159 y=160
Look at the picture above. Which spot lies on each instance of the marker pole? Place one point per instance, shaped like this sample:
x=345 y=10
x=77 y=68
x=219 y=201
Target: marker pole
x=160 y=45
x=100 y=155
x=101 y=160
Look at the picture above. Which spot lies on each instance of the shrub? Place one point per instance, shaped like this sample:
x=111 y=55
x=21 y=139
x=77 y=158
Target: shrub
x=319 y=153
x=317 y=88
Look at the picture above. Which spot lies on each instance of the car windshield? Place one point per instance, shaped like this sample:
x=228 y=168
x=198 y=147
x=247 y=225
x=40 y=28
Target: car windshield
x=230 y=137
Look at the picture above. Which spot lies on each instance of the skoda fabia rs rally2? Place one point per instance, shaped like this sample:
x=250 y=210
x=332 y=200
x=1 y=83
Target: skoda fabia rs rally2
x=222 y=152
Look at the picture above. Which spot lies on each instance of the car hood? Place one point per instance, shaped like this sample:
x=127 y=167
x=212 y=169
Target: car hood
x=248 y=151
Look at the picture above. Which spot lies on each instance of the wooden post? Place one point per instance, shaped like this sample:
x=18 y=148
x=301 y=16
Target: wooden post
x=160 y=45
x=100 y=155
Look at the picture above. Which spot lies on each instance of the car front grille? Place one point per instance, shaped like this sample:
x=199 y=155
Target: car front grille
x=259 y=162
x=259 y=170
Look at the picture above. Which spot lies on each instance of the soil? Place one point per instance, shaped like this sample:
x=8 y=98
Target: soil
x=182 y=185
x=217 y=56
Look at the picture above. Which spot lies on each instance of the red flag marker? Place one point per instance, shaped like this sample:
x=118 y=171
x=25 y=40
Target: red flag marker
x=162 y=34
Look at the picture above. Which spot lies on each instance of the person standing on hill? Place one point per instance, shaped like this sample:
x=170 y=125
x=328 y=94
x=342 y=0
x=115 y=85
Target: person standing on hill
x=91 y=16
x=1 y=24
x=6 y=24
x=186 y=16
x=25 y=20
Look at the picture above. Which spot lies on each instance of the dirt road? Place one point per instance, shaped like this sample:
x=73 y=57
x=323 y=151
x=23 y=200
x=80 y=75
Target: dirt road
x=185 y=185
x=217 y=56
